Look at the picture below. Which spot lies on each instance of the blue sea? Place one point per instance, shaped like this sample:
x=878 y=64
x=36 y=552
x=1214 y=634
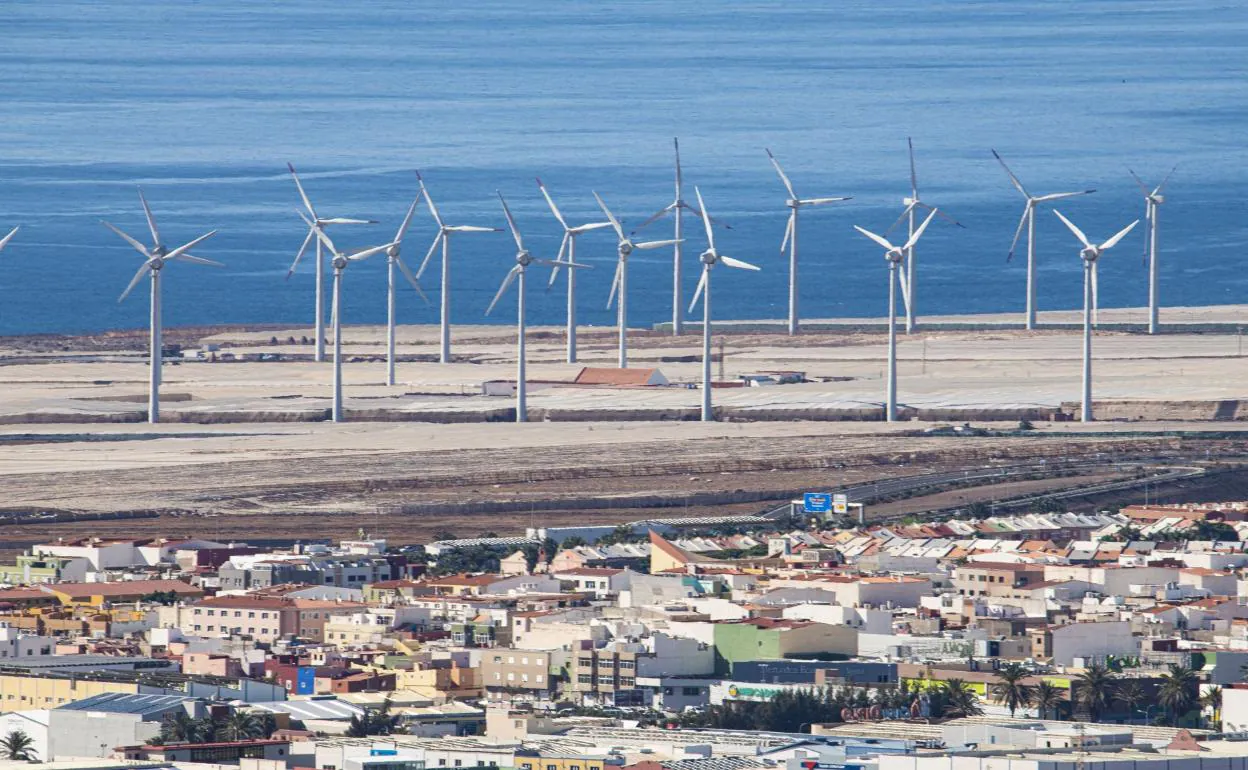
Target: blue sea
x=203 y=104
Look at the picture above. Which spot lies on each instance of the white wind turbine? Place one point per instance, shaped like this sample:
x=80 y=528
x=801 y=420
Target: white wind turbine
x=339 y=261
x=1029 y=220
x=444 y=238
x=1151 y=201
x=790 y=235
x=155 y=258
x=677 y=207
x=318 y=225
x=1090 y=255
x=895 y=255
x=619 y=284
x=5 y=240
x=709 y=258
x=568 y=245
x=907 y=275
x=523 y=260
x=393 y=260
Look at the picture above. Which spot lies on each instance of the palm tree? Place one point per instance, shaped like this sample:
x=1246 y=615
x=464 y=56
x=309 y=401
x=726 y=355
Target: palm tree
x=960 y=699
x=18 y=745
x=1094 y=689
x=1212 y=700
x=1010 y=689
x=241 y=726
x=1047 y=698
x=179 y=727
x=1177 y=691
x=1131 y=695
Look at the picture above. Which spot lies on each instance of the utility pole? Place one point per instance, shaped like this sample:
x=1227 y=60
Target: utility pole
x=721 y=359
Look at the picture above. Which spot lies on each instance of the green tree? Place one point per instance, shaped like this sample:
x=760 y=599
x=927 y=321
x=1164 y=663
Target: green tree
x=374 y=722
x=179 y=727
x=1212 y=700
x=1214 y=530
x=241 y=726
x=17 y=745
x=1047 y=698
x=1130 y=694
x=959 y=699
x=1010 y=689
x=1094 y=689
x=1177 y=692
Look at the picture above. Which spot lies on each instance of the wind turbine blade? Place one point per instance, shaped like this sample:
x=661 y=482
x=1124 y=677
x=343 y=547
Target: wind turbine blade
x=822 y=201
x=554 y=273
x=679 y=180
x=1139 y=182
x=144 y=269
x=697 y=293
x=359 y=254
x=151 y=220
x=706 y=218
x=410 y=278
x=188 y=246
x=904 y=213
x=320 y=234
x=655 y=217
x=433 y=208
x=1062 y=196
x=1018 y=231
x=881 y=240
x=562 y=263
x=739 y=264
x=511 y=224
x=1013 y=179
x=437 y=239
x=1071 y=225
x=1166 y=179
x=788 y=233
x=5 y=240
x=657 y=244
x=551 y=202
x=905 y=287
x=302 y=249
x=1121 y=234
x=137 y=246
x=587 y=228
x=615 y=223
x=473 y=229
x=307 y=203
x=346 y=221
x=615 y=284
x=407 y=220
x=507 y=279
x=1096 y=294
x=198 y=260
x=783 y=178
x=914 y=177
x=940 y=213
x=917 y=233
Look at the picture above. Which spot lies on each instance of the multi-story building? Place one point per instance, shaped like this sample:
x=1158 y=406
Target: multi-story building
x=607 y=673
x=521 y=674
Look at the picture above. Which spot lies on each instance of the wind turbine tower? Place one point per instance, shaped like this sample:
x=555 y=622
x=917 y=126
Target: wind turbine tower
x=568 y=245
x=1029 y=221
x=1151 y=201
x=155 y=258
x=395 y=260
x=790 y=235
x=1090 y=254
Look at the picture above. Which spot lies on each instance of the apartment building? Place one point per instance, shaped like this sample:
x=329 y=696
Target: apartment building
x=520 y=675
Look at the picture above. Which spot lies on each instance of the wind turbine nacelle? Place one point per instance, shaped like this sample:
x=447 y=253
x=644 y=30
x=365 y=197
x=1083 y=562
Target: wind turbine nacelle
x=908 y=201
x=339 y=263
x=1089 y=255
x=707 y=257
x=792 y=203
x=1158 y=198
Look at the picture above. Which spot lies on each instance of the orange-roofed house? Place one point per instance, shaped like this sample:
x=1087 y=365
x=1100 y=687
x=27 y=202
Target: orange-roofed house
x=666 y=555
x=620 y=378
x=104 y=594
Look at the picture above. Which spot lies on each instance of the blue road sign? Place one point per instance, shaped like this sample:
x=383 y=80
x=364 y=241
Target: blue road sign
x=817 y=502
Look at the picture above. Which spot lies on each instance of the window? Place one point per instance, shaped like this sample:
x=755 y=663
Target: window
x=459 y=763
x=540 y=678
x=209 y=613
x=584 y=679
x=525 y=660
x=251 y=614
x=497 y=677
x=511 y=677
x=585 y=662
x=511 y=658
x=691 y=691
x=524 y=677
x=628 y=665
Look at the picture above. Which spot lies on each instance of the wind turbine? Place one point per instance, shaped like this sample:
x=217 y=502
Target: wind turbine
x=339 y=261
x=676 y=207
x=523 y=260
x=444 y=237
x=569 y=245
x=895 y=255
x=155 y=258
x=5 y=240
x=907 y=275
x=1029 y=219
x=393 y=260
x=790 y=235
x=1090 y=255
x=318 y=225
x=1151 y=201
x=709 y=258
x=619 y=284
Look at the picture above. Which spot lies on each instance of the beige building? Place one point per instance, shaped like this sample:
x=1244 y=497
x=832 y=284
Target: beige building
x=519 y=674
x=997 y=580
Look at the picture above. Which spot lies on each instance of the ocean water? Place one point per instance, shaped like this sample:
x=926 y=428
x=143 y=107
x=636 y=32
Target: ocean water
x=203 y=103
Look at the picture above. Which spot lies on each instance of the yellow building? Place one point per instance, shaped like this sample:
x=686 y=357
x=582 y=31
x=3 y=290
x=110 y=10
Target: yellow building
x=536 y=760
x=23 y=693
